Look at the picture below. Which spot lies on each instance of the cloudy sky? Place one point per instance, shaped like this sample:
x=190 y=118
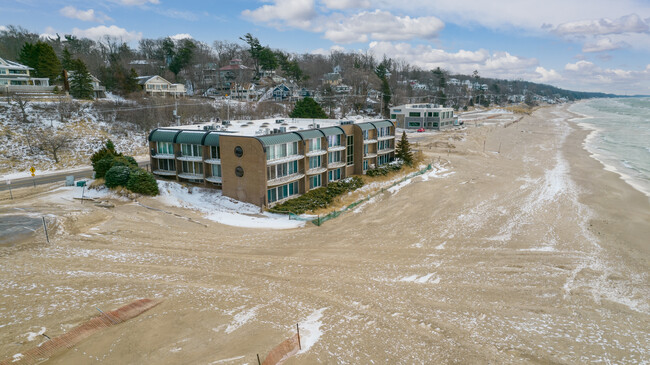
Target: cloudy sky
x=587 y=45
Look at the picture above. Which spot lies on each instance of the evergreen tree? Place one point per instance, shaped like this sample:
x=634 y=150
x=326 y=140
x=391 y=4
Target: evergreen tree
x=66 y=59
x=382 y=71
x=81 y=85
x=308 y=108
x=182 y=57
x=41 y=57
x=403 y=150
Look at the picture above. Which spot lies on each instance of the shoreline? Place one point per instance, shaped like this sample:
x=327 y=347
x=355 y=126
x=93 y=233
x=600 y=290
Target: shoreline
x=589 y=146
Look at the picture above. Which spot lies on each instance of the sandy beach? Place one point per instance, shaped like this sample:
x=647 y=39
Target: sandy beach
x=527 y=252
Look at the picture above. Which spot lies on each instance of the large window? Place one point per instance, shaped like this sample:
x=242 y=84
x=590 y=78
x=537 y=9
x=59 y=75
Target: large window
x=282 y=192
x=365 y=165
x=167 y=165
x=214 y=152
x=383 y=145
x=414 y=114
x=334 y=157
x=383 y=131
x=314 y=144
x=216 y=170
x=281 y=150
x=435 y=114
x=281 y=170
x=191 y=150
x=334 y=141
x=315 y=181
x=314 y=162
x=414 y=124
x=165 y=148
x=350 y=153
x=190 y=167
x=365 y=150
x=333 y=175
x=365 y=134
x=383 y=159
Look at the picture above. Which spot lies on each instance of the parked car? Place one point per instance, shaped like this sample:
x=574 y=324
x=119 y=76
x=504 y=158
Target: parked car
x=421 y=130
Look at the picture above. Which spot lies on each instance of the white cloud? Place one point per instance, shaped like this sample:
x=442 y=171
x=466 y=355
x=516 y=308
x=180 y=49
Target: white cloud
x=383 y=26
x=346 y=4
x=584 y=74
x=626 y=24
x=136 y=2
x=603 y=44
x=546 y=76
x=327 y=52
x=496 y=64
x=97 y=33
x=294 y=13
x=85 y=15
x=180 y=36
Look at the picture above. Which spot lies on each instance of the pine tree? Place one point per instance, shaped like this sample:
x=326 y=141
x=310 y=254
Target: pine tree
x=81 y=85
x=41 y=57
x=403 y=150
x=66 y=59
x=308 y=108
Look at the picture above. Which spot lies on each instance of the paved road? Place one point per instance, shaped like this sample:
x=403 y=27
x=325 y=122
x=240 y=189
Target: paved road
x=58 y=177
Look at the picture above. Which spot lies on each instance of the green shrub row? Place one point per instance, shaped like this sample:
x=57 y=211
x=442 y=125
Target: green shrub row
x=121 y=170
x=384 y=170
x=318 y=198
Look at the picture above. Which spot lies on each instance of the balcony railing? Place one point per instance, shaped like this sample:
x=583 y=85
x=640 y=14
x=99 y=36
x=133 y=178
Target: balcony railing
x=165 y=172
x=213 y=161
x=385 y=151
x=335 y=148
x=315 y=153
x=369 y=155
x=284 y=159
x=285 y=179
x=316 y=170
x=191 y=176
x=383 y=138
x=334 y=165
x=164 y=156
x=368 y=141
x=214 y=179
x=190 y=158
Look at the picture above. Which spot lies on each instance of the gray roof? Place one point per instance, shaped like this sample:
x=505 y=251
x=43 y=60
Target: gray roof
x=332 y=131
x=312 y=133
x=279 y=138
x=211 y=139
x=163 y=135
x=365 y=126
x=190 y=137
x=383 y=123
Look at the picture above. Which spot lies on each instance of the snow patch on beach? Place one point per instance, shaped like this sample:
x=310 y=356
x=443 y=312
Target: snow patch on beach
x=420 y=280
x=219 y=208
x=241 y=318
x=31 y=336
x=310 y=330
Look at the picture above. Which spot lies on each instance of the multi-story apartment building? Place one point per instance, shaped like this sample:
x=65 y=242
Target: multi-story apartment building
x=427 y=116
x=265 y=162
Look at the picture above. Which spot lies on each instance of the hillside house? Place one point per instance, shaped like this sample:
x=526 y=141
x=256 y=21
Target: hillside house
x=158 y=86
x=15 y=77
x=427 y=116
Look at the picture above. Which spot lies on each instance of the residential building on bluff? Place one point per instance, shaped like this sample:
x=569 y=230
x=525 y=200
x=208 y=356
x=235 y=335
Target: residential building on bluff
x=265 y=162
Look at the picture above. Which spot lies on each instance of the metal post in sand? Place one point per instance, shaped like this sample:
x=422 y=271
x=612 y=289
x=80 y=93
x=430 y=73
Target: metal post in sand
x=298 y=329
x=47 y=238
x=258 y=360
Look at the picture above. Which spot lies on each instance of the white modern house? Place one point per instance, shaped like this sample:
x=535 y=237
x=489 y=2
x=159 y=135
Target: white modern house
x=158 y=86
x=15 y=77
x=427 y=116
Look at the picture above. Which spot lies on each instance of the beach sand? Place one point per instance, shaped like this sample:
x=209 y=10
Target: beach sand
x=532 y=255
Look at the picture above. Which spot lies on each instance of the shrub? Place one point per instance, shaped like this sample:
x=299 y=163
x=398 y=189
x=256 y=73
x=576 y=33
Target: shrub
x=318 y=198
x=117 y=176
x=142 y=182
x=107 y=150
x=103 y=165
x=384 y=170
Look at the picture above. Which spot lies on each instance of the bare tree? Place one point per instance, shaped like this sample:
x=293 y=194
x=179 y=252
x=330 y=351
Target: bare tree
x=66 y=108
x=21 y=104
x=52 y=141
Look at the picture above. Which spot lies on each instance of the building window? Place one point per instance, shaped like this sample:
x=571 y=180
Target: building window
x=365 y=134
x=334 y=175
x=334 y=157
x=315 y=182
x=281 y=150
x=282 y=192
x=350 y=153
x=414 y=114
x=165 y=148
x=435 y=124
x=239 y=152
x=383 y=159
x=194 y=150
x=414 y=124
x=365 y=165
x=216 y=170
x=383 y=145
x=190 y=167
x=281 y=170
x=214 y=152
x=314 y=144
x=167 y=165
x=334 y=141
x=365 y=150
x=239 y=171
x=429 y=114
x=314 y=162
x=393 y=116
x=435 y=114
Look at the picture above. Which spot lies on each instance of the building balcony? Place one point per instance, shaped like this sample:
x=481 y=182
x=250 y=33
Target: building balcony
x=335 y=165
x=385 y=138
x=335 y=148
x=315 y=153
x=214 y=179
x=368 y=141
x=385 y=151
x=285 y=179
x=165 y=172
x=190 y=176
x=213 y=161
x=316 y=170
x=284 y=160
x=164 y=156
x=190 y=158
x=370 y=155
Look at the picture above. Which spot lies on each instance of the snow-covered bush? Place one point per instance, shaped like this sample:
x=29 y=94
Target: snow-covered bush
x=117 y=176
x=142 y=182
